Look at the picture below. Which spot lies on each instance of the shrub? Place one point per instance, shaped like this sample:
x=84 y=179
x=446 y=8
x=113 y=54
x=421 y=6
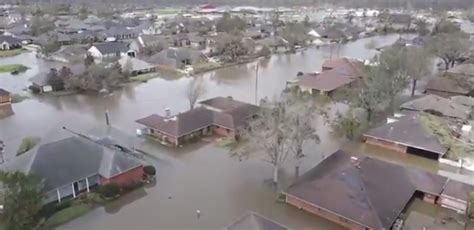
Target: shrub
x=27 y=144
x=49 y=209
x=471 y=205
x=110 y=190
x=149 y=170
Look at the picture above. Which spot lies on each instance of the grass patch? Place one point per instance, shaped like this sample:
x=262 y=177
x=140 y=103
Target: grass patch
x=143 y=78
x=27 y=144
x=204 y=67
x=17 y=98
x=11 y=53
x=13 y=67
x=67 y=215
x=440 y=128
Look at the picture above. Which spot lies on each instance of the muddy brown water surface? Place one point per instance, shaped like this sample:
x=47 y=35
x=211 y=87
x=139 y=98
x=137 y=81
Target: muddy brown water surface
x=199 y=175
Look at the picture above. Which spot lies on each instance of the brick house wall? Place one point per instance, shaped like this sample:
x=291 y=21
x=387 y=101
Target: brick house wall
x=223 y=132
x=386 y=144
x=348 y=224
x=5 y=100
x=132 y=175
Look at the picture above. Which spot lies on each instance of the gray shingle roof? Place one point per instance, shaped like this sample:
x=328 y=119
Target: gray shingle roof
x=358 y=190
x=9 y=39
x=409 y=131
x=112 y=47
x=4 y=92
x=254 y=221
x=70 y=159
x=436 y=103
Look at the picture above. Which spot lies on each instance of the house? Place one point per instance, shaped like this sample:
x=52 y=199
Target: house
x=337 y=74
x=400 y=21
x=8 y=42
x=445 y=87
x=363 y=193
x=136 y=66
x=407 y=135
x=181 y=40
x=437 y=105
x=220 y=116
x=148 y=43
x=177 y=58
x=456 y=196
x=117 y=33
x=69 y=54
x=254 y=221
x=75 y=163
x=110 y=51
x=5 y=97
x=461 y=70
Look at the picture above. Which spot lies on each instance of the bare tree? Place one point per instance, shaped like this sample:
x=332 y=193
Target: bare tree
x=196 y=89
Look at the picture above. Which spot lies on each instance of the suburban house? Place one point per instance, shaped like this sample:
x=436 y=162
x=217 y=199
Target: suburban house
x=110 y=51
x=69 y=54
x=407 y=135
x=181 y=40
x=150 y=42
x=83 y=162
x=367 y=193
x=177 y=58
x=445 y=87
x=438 y=106
x=5 y=97
x=8 y=42
x=220 y=116
x=461 y=70
x=44 y=83
x=400 y=21
x=136 y=66
x=254 y=221
x=337 y=74
x=454 y=196
x=117 y=33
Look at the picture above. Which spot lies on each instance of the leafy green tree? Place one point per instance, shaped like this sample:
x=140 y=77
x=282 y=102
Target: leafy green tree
x=444 y=26
x=419 y=63
x=231 y=47
x=449 y=47
x=88 y=61
x=295 y=34
x=27 y=144
x=348 y=125
x=422 y=27
x=22 y=200
x=229 y=23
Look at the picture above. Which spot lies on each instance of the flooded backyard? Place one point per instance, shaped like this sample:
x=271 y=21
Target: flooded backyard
x=198 y=176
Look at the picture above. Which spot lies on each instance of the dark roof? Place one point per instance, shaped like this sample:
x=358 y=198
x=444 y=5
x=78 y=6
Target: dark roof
x=457 y=190
x=326 y=81
x=254 y=221
x=222 y=111
x=4 y=92
x=357 y=189
x=445 y=84
x=409 y=131
x=9 y=39
x=111 y=47
x=436 y=103
x=75 y=157
x=462 y=69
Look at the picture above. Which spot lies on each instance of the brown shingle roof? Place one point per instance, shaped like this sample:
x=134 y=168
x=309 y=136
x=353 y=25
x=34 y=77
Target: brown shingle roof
x=231 y=115
x=457 y=190
x=359 y=190
x=347 y=67
x=409 y=131
x=326 y=81
x=445 y=84
x=254 y=221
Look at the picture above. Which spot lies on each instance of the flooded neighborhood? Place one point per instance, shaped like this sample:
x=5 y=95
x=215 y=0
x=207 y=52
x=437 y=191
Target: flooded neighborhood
x=220 y=117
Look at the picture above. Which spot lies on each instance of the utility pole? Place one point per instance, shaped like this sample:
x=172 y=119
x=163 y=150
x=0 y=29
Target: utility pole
x=256 y=84
x=107 y=120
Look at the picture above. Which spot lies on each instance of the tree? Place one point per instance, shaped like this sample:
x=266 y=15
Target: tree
x=231 y=47
x=195 y=90
x=89 y=60
x=418 y=65
x=282 y=127
x=449 y=47
x=50 y=45
x=422 y=27
x=83 y=12
x=295 y=34
x=348 y=125
x=444 y=26
x=228 y=23
x=264 y=51
x=22 y=200
x=27 y=144
x=40 y=25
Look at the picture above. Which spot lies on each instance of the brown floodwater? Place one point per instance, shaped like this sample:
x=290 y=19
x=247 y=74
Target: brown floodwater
x=198 y=176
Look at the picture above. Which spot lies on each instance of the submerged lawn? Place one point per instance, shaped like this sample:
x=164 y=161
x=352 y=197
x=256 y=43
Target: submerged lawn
x=11 y=53
x=12 y=67
x=67 y=215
